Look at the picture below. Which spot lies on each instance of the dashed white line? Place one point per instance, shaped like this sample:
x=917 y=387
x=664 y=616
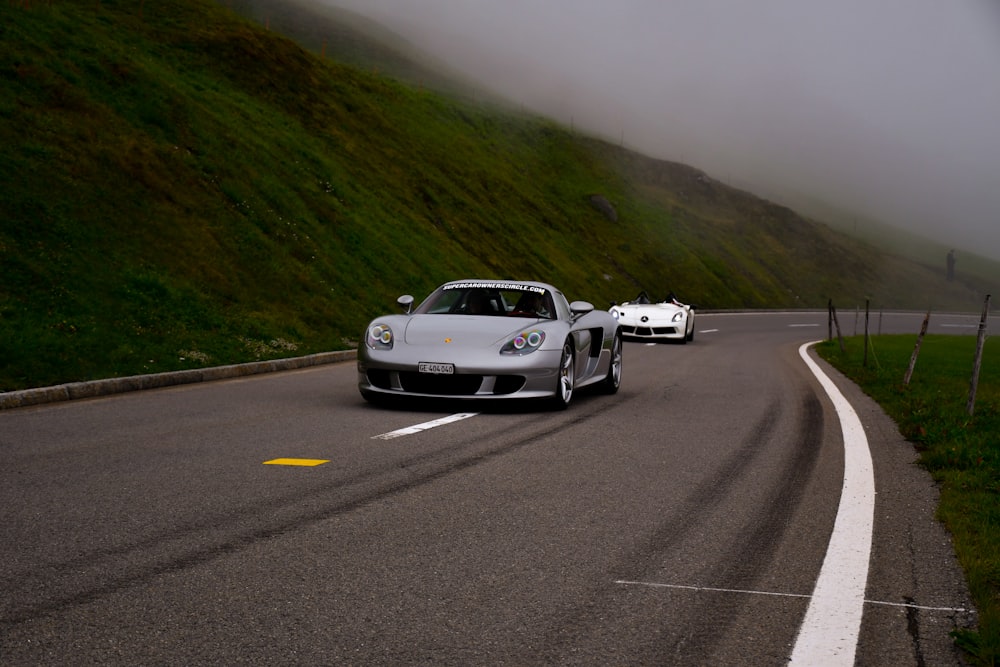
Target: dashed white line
x=417 y=428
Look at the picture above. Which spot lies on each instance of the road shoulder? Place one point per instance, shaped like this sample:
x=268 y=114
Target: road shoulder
x=917 y=592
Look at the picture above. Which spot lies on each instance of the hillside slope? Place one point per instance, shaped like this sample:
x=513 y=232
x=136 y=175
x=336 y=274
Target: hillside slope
x=182 y=187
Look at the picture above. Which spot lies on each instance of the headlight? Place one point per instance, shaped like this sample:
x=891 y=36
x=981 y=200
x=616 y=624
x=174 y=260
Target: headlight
x=678 y=316
x=524 y=343
x=615 y=313
x=379 y=337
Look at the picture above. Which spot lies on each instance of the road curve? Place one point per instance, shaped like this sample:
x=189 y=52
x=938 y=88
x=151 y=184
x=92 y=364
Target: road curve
x=684 y=520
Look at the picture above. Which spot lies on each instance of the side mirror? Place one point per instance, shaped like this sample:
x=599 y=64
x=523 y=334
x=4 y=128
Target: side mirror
x=406 y=303
x=579 y=308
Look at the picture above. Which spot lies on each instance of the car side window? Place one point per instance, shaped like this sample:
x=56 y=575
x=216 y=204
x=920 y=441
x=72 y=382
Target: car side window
x=561 y=306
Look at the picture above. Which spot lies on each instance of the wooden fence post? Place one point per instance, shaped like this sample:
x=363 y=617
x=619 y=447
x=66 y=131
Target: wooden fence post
x=833 y=316
x=916 y=348
x=981 y=339
x=864 y=360
x=829 y=320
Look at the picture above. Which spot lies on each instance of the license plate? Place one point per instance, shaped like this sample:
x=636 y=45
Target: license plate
x=437 y=369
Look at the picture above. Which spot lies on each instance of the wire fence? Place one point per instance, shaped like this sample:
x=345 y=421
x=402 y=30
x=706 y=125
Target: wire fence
x=833 y=324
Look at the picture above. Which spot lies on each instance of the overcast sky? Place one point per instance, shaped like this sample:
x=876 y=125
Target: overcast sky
x=890 y=108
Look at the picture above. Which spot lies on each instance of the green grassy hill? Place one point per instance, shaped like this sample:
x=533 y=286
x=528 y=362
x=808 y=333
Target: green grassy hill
x=181 y=187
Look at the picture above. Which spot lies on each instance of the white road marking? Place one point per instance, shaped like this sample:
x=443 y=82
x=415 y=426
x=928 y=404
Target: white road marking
x=417 y=428
x=708 y=331
x=793 y=326
x=918 y=606
x=829 y=632
x=711 y=589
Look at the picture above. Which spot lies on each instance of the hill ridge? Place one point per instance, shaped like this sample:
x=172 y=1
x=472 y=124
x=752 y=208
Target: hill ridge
x=183 y=187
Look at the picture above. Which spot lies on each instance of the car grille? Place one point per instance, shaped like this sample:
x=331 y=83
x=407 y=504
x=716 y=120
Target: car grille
x=442 y=385
x=648 y=331
x=379 y=378
x=508 y=384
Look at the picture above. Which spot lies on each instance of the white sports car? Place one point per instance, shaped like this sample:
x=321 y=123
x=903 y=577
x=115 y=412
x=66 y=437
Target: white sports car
x=643 y=319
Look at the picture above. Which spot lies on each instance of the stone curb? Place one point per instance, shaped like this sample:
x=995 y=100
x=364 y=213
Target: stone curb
x=90 y=389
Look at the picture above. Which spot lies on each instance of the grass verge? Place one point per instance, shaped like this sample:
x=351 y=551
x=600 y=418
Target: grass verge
x=960 y=450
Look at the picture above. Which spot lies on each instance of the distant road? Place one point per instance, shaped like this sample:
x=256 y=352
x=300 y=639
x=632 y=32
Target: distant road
x=682 y=521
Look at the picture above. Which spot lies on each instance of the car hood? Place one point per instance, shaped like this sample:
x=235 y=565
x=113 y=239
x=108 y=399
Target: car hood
x=464 y=330
x=650 y=308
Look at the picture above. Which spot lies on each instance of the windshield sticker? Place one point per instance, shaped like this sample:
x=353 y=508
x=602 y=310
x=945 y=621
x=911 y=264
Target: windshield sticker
x=496 y=285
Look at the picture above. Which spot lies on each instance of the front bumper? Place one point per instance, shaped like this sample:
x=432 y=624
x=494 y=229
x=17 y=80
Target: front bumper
x=666 y=331
x=530 y=376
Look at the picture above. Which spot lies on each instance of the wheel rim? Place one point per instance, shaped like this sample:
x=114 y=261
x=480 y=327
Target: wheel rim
x=566 y=375
x=616 y=361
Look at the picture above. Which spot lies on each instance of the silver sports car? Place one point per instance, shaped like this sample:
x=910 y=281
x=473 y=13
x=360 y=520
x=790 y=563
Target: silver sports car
x=491 y=339
x=664 y=320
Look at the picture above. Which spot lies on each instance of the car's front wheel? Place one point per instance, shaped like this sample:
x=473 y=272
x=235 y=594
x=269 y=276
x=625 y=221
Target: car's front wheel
x=566 y=377
x=613 y=379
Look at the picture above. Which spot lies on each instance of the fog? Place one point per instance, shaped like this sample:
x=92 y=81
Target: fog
x=889 y=110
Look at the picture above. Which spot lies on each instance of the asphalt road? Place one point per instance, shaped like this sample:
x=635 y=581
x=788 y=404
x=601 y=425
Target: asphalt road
x=683 y=521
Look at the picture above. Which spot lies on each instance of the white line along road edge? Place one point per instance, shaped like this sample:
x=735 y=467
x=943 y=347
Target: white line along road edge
x=829 y=632
x=417 y=428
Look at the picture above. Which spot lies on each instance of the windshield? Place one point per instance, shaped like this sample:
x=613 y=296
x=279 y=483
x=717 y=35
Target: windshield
x=497 y=298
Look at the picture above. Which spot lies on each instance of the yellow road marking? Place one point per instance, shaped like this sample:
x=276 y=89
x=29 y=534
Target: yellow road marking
x=296 y=462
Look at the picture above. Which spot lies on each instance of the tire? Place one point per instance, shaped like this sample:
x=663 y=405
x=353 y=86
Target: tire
x=690 y=336
x=565 y=377
x=613 y=380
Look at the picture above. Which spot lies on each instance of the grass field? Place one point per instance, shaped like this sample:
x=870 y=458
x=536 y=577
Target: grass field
x=961 y=451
